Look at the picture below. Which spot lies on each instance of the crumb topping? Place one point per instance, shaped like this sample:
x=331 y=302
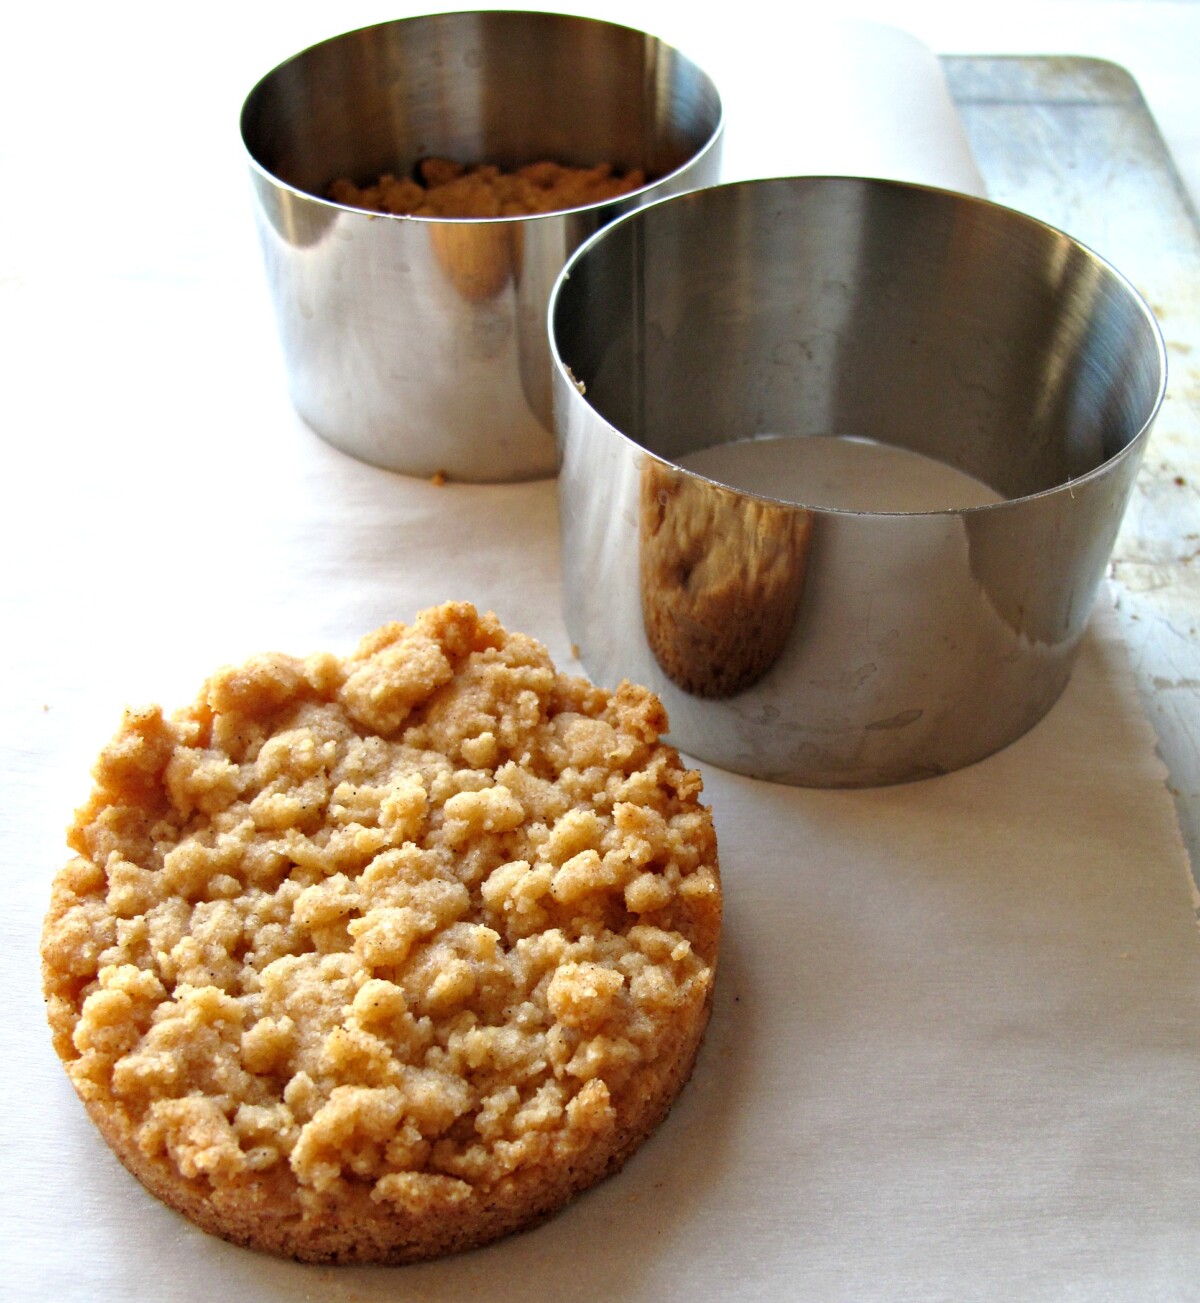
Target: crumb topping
x=442 y=187
x=416 y=918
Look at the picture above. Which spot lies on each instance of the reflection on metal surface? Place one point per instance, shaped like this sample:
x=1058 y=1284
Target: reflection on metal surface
x=1016 y=558
x=720 y=577
x=293 y=218
x=924 y=320
x=419 y=344
x=477 y=257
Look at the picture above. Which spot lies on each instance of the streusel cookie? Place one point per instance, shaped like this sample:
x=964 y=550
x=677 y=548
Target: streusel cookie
x=378 y=958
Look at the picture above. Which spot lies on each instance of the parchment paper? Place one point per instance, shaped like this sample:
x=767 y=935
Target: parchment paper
x=956 y=1041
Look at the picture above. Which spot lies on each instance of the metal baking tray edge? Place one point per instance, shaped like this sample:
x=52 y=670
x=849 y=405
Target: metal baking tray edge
x=1071 y=141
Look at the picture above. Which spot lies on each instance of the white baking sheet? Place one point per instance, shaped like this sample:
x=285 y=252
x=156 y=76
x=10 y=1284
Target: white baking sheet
x=956 y=1041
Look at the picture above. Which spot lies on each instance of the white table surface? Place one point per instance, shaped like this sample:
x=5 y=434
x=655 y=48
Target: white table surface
x=957 y=1040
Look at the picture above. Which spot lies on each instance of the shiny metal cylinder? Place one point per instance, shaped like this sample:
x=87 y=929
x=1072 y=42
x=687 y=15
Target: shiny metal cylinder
x=822 y=646
x=419 y=344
